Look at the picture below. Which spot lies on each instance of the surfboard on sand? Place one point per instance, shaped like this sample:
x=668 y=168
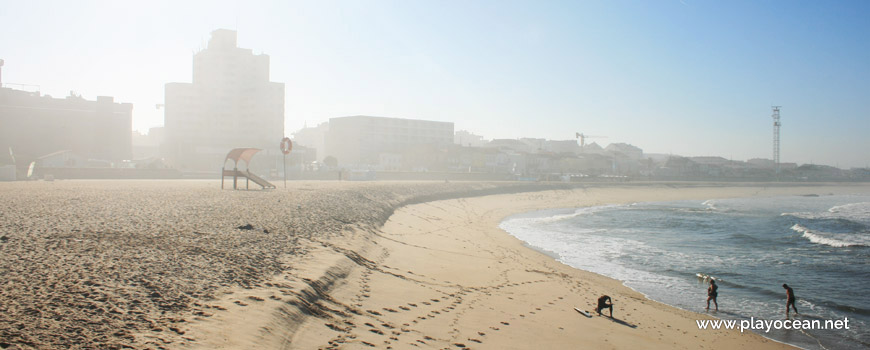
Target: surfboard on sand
x=585 y=313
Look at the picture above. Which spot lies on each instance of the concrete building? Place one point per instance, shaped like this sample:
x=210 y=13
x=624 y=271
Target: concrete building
x=313 y=137
x=562 y=146
x=624 y=150
x=358 y=141
x=34 y=125
x=148 y=145
x=230 y=104
x=533 y=145
x=468 y=139
x=510 y=145
x=592 y=148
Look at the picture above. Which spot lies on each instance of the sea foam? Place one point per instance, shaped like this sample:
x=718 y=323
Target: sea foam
x=857 y=212
x=838 y=240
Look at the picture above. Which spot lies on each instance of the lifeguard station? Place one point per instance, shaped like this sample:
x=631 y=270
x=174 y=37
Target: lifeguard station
x=244 y=154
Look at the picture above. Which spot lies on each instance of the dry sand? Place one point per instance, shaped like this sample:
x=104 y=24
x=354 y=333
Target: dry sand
x=182 y=264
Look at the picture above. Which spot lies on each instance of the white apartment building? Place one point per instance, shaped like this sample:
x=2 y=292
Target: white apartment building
x=230 y=104
x=360 y=140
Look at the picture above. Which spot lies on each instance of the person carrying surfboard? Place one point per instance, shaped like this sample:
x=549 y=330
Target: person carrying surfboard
x=604 y=302
x=712 y=293
x=789 y=299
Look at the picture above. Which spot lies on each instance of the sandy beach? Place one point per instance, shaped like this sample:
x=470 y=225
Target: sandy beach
x=182 y=264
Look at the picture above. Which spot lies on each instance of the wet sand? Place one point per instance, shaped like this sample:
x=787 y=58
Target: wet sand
x=182 y=264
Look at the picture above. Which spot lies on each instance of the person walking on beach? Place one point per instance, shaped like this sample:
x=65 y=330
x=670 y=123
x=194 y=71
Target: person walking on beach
x=604 y=302
x=789 y=300
x=712 y=293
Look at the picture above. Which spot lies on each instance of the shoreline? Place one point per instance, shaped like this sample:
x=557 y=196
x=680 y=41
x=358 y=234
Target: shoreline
x=172 y=264
x=556 y=212
x=551 y=212
x=556 y=257
x=546 y=201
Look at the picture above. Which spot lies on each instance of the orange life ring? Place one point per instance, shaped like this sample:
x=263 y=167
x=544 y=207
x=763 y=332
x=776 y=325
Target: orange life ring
x=286 y=145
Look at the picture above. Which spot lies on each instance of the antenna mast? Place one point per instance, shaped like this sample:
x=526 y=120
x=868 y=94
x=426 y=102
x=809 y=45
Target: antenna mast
x=776 y=125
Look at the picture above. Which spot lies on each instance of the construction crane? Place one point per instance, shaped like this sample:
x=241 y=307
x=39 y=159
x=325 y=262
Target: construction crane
x=583 y=138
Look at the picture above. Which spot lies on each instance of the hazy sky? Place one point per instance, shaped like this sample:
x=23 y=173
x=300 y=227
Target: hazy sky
x=685 y=77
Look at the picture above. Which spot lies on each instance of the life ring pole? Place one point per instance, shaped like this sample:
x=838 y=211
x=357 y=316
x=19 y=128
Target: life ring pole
x=284 y=161
x=286 y=146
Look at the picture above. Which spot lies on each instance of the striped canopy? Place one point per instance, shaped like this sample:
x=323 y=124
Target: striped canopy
x=245 y=154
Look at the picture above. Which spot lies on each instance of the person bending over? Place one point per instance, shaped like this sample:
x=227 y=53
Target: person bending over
x=604 y=302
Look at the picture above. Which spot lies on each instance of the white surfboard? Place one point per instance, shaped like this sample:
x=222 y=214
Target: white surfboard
x=706 y=277
x=585 y=313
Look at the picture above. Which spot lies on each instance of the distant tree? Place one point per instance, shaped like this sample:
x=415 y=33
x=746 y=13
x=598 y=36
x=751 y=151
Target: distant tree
x=330 y=161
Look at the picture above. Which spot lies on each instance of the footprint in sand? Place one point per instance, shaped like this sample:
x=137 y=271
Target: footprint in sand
x=336 y=328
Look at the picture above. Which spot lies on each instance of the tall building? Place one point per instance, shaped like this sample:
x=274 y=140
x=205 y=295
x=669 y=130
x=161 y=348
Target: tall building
x=230 y=104
x=34 y=125
x=360 y=140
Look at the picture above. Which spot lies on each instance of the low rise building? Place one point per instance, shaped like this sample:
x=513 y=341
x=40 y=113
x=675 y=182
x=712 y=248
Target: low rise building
x=33 y=125
x=359 y=141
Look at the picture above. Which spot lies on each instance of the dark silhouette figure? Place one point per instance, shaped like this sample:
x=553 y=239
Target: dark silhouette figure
x=712 y=293
x=604 y=302
x=789 y=299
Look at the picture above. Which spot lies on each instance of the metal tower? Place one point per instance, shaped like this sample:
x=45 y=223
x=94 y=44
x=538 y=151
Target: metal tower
x=776 y=125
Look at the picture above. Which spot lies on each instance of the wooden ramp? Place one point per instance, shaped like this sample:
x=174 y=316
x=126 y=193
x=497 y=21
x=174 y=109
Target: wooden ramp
x=259 y=180
x=248 y=176
x=244 y=154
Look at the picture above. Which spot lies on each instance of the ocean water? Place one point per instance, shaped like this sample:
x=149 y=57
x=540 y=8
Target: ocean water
x=818 y=245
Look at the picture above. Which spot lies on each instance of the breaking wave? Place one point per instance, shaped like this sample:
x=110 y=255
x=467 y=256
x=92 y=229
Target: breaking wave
x=838 y=240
